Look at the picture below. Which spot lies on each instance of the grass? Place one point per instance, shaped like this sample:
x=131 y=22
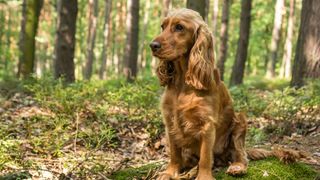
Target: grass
x=46 y=119
x=268 y=169
x=274 y=169
x=134 y=173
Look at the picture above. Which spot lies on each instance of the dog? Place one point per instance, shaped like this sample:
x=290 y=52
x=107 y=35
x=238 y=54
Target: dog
x=201 y=124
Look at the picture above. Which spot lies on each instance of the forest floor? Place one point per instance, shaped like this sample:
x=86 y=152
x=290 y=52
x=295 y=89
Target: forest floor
x=111 y=130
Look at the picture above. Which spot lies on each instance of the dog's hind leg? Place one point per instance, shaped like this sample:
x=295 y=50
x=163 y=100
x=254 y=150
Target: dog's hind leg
x=237 y=146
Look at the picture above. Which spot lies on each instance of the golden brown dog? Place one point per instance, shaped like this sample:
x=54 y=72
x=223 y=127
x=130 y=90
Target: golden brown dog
x=201 y=125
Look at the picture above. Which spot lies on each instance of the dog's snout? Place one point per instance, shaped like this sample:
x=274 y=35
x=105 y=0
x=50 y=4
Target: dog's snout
x=155 y=45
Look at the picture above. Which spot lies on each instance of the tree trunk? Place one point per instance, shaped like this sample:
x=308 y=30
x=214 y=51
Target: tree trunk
x=80 y=53
x=131 y=46
x=243 y=43
x=93 y=13
x=29 y=25
x=285 y=71
x=307 y=58
x=199 y=6
x=113 y=38
x=2 y=24
x=120 y=39
x=142 y=54
x=106 y=34
x=223 y=37
x=215 y=19
x=65 y=40
x=8 y=55
x=276 y=33
x=166 y=6
x=9 y=29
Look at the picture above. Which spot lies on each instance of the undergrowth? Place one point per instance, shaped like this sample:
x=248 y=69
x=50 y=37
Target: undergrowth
x=264 y=169
x=84 y=116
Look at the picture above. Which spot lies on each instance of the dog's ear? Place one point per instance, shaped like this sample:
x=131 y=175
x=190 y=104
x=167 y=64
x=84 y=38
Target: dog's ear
x=200 y=73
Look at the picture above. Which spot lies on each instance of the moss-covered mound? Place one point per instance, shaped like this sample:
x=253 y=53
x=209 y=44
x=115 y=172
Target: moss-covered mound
x=264 y=169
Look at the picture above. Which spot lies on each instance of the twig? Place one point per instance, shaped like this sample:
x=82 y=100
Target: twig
x=103 y=176
x=76 y=135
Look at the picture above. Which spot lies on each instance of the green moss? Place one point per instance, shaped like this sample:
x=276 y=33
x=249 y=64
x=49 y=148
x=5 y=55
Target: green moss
x=134 y=173
x=273 y=169
x=264 y=169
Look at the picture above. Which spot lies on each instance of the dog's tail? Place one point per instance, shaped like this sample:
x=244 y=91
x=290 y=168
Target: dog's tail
x=284 y=155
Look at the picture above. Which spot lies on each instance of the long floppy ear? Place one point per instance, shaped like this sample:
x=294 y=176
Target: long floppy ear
x=165 y=72
x=200 y=73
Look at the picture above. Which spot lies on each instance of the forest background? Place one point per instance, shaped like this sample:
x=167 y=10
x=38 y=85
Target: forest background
x=79 y=96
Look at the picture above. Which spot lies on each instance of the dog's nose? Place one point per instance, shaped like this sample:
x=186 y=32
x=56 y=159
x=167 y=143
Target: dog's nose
x=155 y=45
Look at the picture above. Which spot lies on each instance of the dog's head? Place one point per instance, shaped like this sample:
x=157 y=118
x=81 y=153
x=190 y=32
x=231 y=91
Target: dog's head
x=185 y=34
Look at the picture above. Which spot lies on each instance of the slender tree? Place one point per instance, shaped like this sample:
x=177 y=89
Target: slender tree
x=243 y=43
x=114 y=29
x=65 y=40
x=307 y=58
x=106 y=34
x=29 y=25
x=276 y=33
x=141 y=56
x=120 y=39
x=215 y=19
x=285 y=70
x=223 y=51
x=199 y=6
x=9 y=29
x=82 y=26
x=131 y=47
x=2 y=24
x=93 y=13
x=166 y=5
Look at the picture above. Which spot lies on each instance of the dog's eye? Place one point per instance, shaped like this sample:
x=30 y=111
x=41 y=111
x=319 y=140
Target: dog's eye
x=178 y=27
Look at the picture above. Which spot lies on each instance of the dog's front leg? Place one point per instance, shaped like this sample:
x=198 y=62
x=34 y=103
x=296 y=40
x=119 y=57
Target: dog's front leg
x=174 y=165
x=207 y=141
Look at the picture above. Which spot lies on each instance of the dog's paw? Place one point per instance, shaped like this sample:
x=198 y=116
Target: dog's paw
x=236 y=169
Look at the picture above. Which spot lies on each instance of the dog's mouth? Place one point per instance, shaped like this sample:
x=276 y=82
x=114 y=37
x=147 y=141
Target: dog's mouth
x=165 y=56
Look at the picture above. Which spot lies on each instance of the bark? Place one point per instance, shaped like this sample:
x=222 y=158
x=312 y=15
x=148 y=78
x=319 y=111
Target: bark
x=8 y=21
x=307 y=58
x=285 y=71
x=106 y=34
x=276 y=33
x=65 y=40
x=80 y=52
x=215 y=18
x=166 y=7
x=93 y=13
x=206 y=10
x=113 y=38
x=131 y=46
x=119 y=38
x=29 y=25
x=199 y=6
x=142 y=53
x=223 y=37
x=2 y=24
x=243 y=43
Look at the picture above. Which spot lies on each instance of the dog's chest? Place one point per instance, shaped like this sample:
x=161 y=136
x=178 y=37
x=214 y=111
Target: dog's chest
x=185 y=117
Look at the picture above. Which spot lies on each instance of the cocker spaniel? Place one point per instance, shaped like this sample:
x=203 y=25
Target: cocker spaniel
x=201 y=125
